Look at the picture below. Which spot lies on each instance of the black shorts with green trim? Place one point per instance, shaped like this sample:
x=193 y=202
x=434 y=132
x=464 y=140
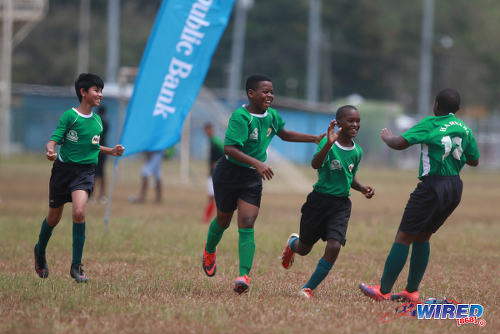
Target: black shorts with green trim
x=324 y=216
x=233 y=182
x=68 y=177
x=431 y=203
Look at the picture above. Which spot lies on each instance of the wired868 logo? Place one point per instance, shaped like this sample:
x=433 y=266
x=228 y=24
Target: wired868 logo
x=439 y=309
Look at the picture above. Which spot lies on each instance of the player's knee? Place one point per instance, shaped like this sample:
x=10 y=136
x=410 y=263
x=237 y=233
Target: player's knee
x=333 y=247
x=78 y=215
x=247 y=221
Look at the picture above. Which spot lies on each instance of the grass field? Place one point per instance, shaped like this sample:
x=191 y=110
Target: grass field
x=146 y=276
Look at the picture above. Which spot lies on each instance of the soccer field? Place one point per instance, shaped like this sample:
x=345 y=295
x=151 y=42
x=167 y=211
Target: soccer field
x=145 y=275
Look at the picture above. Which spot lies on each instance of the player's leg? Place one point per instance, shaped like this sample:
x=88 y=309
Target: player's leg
x=53 y=217
x=79 y=199
x=324 y=265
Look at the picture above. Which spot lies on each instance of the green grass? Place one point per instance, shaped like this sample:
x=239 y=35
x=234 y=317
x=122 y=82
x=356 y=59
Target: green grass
x=146 y=276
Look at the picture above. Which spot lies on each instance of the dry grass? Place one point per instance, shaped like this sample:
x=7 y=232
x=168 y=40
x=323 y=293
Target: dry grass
x=145 y=275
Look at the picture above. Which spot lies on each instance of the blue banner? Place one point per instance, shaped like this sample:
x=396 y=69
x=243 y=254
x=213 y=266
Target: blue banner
x=173 y=68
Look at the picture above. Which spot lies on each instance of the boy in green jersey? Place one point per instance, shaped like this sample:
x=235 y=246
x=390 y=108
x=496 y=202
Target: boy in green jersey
x=72 y=178
x=447 y=144
x=327 y=210
x=237 y=177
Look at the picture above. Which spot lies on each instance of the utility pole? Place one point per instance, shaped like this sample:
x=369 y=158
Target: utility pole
x=83 y=37
x=6 y=73
x=314 y=51
x=237 y=51
x=425 y=77
x=113 y=54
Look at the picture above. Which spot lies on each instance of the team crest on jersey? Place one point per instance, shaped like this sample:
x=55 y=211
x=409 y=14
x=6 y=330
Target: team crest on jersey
x=254 y=134
x=269 y=132
x=95 y=139
x=72 y=136
x=335 y=164
x=351 y=167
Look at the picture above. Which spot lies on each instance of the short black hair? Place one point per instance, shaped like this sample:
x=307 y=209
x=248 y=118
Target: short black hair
x=208 y=125
x=254 y=79
x=343 y=110
x=448 y=100
x=85 y=81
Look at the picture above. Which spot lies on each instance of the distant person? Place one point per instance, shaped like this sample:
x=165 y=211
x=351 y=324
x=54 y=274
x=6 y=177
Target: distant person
x=72 y=179
x=216 y=152
x=238 y=178
x=151 y=167
x=100 y=172
x=327 y=210
x=447 y=144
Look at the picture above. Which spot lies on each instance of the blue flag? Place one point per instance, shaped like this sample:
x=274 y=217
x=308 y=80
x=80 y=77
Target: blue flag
x=173 y=68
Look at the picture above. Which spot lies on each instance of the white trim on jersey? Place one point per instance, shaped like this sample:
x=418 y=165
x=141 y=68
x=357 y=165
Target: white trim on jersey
x=426 y=166
x=83 y=115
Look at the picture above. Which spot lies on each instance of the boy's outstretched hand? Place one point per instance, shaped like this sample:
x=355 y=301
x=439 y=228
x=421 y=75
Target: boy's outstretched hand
x=117 y=150
x=51 y=155
x=368 y=191
x=332 y=135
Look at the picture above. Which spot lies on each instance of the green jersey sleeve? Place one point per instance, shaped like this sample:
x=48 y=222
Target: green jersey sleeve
x=218 y=144
x=278 y=122
x=471 y=151
x=237 y=130
x=418 y=133
x=65 y=121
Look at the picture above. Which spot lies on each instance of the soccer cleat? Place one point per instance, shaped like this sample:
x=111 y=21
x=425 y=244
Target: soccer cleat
x=373 y=291
x=77 y=273
x=288 y=255
x=209 y=266
x=242 y=284
x=406 y=296
x=41 y=267
x=306 y=293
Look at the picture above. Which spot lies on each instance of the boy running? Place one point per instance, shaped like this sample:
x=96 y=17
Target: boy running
x=447 y=144
x=72 y=179
x=326 y=212
x=238 y=176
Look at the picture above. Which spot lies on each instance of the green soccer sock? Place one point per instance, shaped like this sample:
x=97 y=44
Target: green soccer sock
x=322 y=270
x=44 y=236
x=213 y=236
x=418 y=263
x=246 y=249
x=393 y=265
x=78 y=241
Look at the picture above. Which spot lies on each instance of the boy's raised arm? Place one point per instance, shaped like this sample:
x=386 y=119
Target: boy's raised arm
x=394 y=142
x=295 y=136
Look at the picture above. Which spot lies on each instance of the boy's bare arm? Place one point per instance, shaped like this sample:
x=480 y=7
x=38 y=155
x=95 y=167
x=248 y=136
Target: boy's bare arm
x=50 y=147
x=365 y=190
x=319 y=157
x=295 y=136
x=115 y=151
x=394 y=142
x=234 y=152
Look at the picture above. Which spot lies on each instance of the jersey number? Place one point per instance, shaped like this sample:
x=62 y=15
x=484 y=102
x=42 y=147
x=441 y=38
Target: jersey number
x=457 y=151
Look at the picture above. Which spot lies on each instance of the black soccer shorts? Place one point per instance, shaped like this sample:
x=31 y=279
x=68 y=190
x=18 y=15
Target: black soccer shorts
x=233 y=182
x=431 y=203
x=68 y=177
x=324 y=216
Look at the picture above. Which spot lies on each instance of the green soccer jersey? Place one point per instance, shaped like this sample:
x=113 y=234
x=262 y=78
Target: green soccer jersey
x=252 y=133
x=338 y=169
x=446 y=144
x=79 y=136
